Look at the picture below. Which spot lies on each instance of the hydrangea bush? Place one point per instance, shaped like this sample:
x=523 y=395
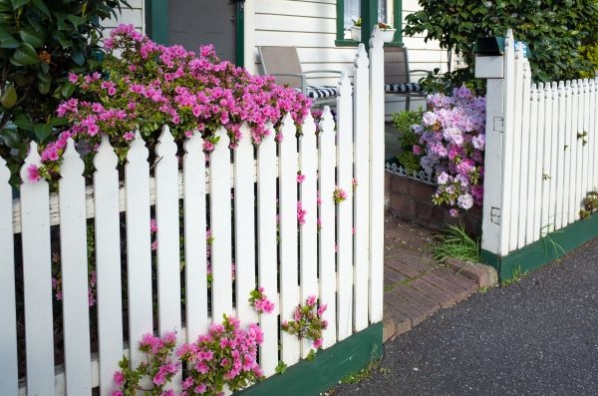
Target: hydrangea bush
x=145 y=85
x=452 y=142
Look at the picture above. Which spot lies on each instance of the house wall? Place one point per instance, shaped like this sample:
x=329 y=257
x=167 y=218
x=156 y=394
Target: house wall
x=134 y=15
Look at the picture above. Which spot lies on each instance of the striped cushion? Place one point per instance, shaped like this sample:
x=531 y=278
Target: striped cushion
x=321 y=92
x=402 y=88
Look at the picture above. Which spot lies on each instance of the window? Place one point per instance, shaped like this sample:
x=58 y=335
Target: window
x=389 y=11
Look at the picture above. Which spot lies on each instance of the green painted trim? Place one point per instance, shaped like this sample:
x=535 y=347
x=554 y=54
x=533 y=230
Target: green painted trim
x=240 y=35
x=547 y=249
x=372 y=6
x=156 y=20
x=330 y=365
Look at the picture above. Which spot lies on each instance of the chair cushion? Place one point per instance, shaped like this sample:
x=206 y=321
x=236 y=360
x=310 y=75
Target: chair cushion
x=403 y=88
x=321 y=92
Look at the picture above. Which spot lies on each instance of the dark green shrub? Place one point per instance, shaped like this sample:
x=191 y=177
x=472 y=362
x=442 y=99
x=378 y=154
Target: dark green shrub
x=553 y=29
x=40 y=43
x=408 y=139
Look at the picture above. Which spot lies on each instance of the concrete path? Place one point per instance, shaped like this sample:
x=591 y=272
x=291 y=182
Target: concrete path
x=537 y=336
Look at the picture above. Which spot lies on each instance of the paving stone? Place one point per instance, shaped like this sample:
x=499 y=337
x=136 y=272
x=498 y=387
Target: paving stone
x=408 y=308
x=413 y=298
x=458 y=293
x=404 y=269
x=440 y=296
x=459 y=280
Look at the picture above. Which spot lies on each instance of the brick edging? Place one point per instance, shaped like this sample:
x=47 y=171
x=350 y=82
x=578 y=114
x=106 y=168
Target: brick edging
x=484 y=275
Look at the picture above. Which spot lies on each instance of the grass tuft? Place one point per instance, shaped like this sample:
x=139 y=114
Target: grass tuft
x=455 y=243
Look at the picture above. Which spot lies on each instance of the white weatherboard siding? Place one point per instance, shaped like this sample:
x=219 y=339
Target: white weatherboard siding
x=134 y=15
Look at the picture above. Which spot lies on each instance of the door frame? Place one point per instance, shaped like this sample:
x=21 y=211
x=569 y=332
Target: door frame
x=156 y=22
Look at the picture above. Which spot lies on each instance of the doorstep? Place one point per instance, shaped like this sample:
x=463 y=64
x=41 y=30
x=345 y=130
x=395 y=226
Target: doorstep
x=415 y=285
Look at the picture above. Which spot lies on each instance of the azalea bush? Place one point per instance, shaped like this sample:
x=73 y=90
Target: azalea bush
x=452 y=140
x=307 y=322
x=145 y=85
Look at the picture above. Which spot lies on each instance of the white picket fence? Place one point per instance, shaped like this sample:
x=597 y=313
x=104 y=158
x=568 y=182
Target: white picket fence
x=342 y=263
x=540 y=154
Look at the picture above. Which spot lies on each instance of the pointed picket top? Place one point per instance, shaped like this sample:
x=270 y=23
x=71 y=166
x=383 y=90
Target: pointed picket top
x=288 y=126
x=223 y=138
x=33 y=160
x=194 y=145
x=245 y=138
x=72 y=164
x=591 y=84
x=376 y=40
x=509 y=38
x=137 y=150
x=586 y=85
x=519 y=50
x=534 y=92
x=567 y=88
x=309 y=126
x=4 y=172
x=527 y=71
x=106 y=158
x=327 y=121
x=540 y=90
x=344 y=86
x=166 y=145
x=361 y=57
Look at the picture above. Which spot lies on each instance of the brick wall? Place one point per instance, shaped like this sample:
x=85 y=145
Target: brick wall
x=412 y=200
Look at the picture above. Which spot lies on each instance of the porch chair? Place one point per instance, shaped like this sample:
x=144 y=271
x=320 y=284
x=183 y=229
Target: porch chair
x=397 y=75
x=283 y=63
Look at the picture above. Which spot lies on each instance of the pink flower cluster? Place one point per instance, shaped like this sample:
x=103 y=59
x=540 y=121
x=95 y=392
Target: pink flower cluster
x=308 y=322
x=227 y=355
x=159 y=366
x=339 y=195
x=260 y=301
x=146 y=85
x=453 y=142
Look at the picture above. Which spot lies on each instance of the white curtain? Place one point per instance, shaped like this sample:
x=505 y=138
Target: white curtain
x=353 y=11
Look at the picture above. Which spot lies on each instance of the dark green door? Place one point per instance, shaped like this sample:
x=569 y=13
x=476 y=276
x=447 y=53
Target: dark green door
x=192 y=23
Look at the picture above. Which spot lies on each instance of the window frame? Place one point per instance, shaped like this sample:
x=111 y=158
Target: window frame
x=340 y=25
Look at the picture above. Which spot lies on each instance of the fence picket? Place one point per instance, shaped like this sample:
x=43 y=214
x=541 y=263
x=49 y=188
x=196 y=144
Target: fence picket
x=39 y=340
x=308 y=252
x=139 y=257
x=8 y=331
x=538 y=144
x=529 y=169
x=220 y=224
x=107 y=238
x=73 y=257
x=326 y=254
x=244 y=202
x=376 y=237
x=585 y=167
x=196 y=281
x=592 y=138
x=553 y=157
x=289 y=279
x=547 y=160
x=573 y=192
x=361 y=188
x=521 y=147
x=344 y=210
x=561 y=138
x=267 y=249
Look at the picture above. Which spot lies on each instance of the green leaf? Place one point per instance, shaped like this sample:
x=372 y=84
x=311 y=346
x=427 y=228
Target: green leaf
x=58 y=121
x=42 y=131
x=62 y=39
x=25 y=55
x=24 y=123
x=78 y=58
x=67 y=90
x=9 y=43
x=35 y=40
x=44 y=82
x=19 y=3
x=39 y=4
x=9 y=98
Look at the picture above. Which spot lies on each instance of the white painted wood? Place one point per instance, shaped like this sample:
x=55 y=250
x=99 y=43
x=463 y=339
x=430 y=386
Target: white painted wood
x=553 y=157
x=326 y=245
x=244 y=202
x=167 y=217
x=569 y=153
x=220 y=224
x=529 y=156
x=575 y=148
x=308 y=252
x=538 y=143
x=361 y=189
x=376 y=177
x=585 y=168
x=267 y=249
x=288 y=252
x=344 y=210
x=582 y=160
x=529 y=114
x=547 y=159
x=107 y=238
x=592 y=147
x=37 y=277
x=139 y=257
x=73 y=257
x=560 y=148
x=8 y=331
x=196 y=281
x=520 y=148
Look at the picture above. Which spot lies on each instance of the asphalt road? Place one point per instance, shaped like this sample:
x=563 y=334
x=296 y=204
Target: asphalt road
x=538 y=336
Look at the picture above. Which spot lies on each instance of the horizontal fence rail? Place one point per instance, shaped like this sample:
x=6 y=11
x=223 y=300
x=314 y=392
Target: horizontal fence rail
x=266 y=228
